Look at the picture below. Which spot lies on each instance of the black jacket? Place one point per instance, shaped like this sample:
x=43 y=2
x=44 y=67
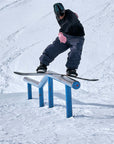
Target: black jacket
x=71 y=25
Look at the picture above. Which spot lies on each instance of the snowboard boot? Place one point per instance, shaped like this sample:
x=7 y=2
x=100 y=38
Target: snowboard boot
x=71 y=72
x=42 y=68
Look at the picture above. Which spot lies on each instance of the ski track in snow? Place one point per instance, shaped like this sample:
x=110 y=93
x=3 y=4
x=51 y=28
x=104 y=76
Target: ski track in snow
x=100 y=12
x=8 y=5
x=9 y=56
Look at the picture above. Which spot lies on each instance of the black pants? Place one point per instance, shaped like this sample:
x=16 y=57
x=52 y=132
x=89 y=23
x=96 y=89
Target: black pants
x=75 y=43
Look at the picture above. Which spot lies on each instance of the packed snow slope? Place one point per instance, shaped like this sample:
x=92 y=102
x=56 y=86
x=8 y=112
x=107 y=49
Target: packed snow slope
x=23 y=122
x=28 y=26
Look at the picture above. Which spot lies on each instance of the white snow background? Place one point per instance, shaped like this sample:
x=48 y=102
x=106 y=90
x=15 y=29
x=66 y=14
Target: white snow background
x=26 y=28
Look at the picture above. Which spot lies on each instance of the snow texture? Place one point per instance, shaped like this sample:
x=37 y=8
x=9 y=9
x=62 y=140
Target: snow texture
x=26 y=28
x=22 y=121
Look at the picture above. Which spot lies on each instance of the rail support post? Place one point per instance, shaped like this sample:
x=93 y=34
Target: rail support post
x=41 y=97
x=50 y=92
x=29 y=91
x=68 y=101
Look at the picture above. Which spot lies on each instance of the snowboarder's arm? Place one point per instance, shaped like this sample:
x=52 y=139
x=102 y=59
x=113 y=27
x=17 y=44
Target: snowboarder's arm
x=76 y=15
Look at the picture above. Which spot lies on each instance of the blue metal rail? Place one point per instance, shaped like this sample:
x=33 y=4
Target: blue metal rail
x=49 y=78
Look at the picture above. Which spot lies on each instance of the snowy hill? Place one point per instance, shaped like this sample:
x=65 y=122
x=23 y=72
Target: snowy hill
x=105 y=73
x=26 y=28
x=22 y=121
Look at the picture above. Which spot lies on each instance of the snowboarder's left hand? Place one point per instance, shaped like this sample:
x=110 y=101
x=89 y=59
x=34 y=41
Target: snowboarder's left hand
x=62 y=38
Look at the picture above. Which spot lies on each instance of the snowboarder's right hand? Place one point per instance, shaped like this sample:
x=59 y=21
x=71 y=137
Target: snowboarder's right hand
x=62 y=38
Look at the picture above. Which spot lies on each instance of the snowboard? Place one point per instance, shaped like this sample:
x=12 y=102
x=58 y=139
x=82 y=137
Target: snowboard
x=54 y=73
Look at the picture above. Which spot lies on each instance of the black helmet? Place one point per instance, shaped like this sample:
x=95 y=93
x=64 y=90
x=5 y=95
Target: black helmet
x=59 y=9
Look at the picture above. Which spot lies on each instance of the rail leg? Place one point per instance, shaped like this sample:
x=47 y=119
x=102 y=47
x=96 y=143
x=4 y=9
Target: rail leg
x=68 y=101
x=29 y=91
x=50 y=92
x=41 y=97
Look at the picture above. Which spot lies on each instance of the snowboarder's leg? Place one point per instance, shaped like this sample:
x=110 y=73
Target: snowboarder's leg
x=74 y=56
x=52 y=51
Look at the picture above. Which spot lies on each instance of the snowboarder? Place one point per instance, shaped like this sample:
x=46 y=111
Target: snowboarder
x=71 y=35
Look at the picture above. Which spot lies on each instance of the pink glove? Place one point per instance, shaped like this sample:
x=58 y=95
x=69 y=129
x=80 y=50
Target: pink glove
x=62 y=38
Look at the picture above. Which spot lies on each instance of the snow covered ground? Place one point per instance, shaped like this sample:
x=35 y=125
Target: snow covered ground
x=26 y=28
x=23 y=122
